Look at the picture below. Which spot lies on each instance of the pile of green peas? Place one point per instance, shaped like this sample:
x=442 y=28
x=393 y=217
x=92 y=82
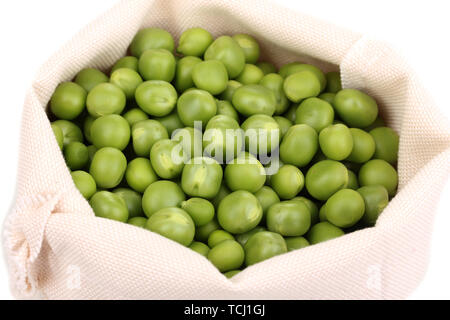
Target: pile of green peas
x=336 y=160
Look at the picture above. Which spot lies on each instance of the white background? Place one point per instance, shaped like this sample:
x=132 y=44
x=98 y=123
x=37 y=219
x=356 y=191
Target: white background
x=30 y=31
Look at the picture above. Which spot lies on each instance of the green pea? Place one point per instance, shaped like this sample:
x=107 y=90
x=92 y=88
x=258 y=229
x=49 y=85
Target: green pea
x=90 y=77
x=201 y=177
x=316 y=113
x=254 y=99
x=161 y=194
x=202 y=233
x=325 y=178
x=201 y=210
x=242 y=238
x=228 y=93
x=109 y=205
x=71 y=131
x=245 y=172
x=312 y=207
x=194 y=42
x=301 y=85
x=68 y=101
x=59 y=135
x=167 y=158
x=328 y=97
x=157 y=64
x=379 y=122
x=345 y=208
x=284 y=124
x=211 y=76
x=223 y=192
x=173 y=223
x=262 y=246
x=87 y=124
x=363 y=146
x=104 y=99
x=249 y=46
x=288 y=181
x=224 y=107
x=336 y=142
x=138 y=222
x=274 y=82
x=386 y=144
x=262 y=134
x=227 y=255
x=135 y=115
x=323 y=231
x=218 y=236
x=200 y=248
x=323 y=213
x=151 y=38
x=145 y=134
x=127 y=80
x=231 y=273
x=299 y=137
x=333 y=82
x=76 y=155
x=84 y=183
x=156 y=97
x=266 y=197
x=239 y=212
x=291 y=113
x=356 y=108
x=376 y=198
x=196 y=105
x=140 y=174
x=132 y=199
x=379 y=172
x=295 y=243
x=110 y=131
x=266 y=67
x=108 y=167
x=296 y=67
x=352 y=180
x=251 y=74
x=227 y=50
x=171 y=122
x=289 y=218
x=91 y=152
x=129 y=62
x=183 y=73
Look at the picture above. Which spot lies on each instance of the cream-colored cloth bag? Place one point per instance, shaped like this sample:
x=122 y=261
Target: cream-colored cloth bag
x=57 y=249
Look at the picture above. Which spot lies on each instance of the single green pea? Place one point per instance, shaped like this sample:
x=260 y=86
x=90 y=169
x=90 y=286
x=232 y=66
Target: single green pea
x=145 y=134
x=295 y=243
x=90 y=77
x=151 y=38
x=328 y=97
x=245 y=172
x=76 y=155
x=363 y=146
x=104 y=99
x=218 y=236
x=224 y=107
x=376 y=198
x=288 y=181
x=356 y=108
x=202 y=233
x=227 y=50
x=284 y=124
x=59 y=135
x=296 y=67
x=156 y=97
x=109 y=205
x=167 y=158
x=84 y=183
x=211 y=76
x=249 y=45
x=172 y=223
x=132 y=199
x=386 y=144
x=274 y=82
x=266 y=197
x=266 y=67
x=223 y=192
x=201 y=210
x=289 y=218
x=345 y=208
x=87 y=124
x=110 y=131
x=239 y=212
x=262 y=246
x=323 y=213
x=262 y=134
x=231 y=273
x=140 y=174
x=91 y=152
x=254 y=99
x=200 y=248
x=202 y=177
x=194 y=42
x=127 y=80
x=379 y=172
x=183 y=73
x=129 y=62
x=299 y=137
x=352 y=180
x=196 y=105
x=191 y=141
x=301 y=85
x=251 y=74
x=157 y=64
x=291 y=113
x=326 y=177
x=171 y=122
x=108 y=167
x=227 y=255
x=333 y=82
x=68 y=100
x=138 y=222
x=135 y=115
x=312 y=207
x=323 y=231
x=379 y=122
x=336 y=141
x=316 y=113
x=228 y=93
x=161 y=194
x=242 y=238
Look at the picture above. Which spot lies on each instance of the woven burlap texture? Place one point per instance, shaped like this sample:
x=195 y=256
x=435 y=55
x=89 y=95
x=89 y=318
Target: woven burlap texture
x=57 y=249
